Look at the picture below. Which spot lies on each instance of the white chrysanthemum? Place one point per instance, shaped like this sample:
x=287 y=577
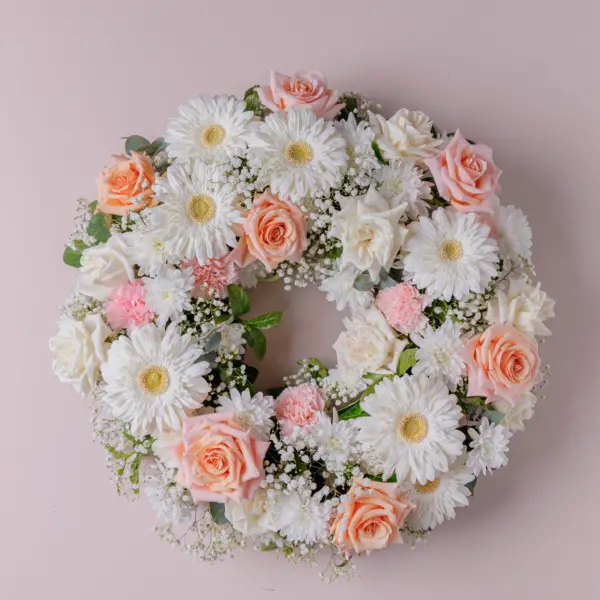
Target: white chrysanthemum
x=253 y=413
x=335 y=441
x=152 y=378
x=359 y=144
x=149 y=250
x=437 y=499
x=254 y=517
x=511 y=229
x=413 y=427
x=302 y=518
x=298 y=154
x=210 y=129
x=167 y=294
x=439 y=353
x=251 y=274
x=488 y=448
x=403 y=182
x=450 y=254
x=232 y=338
x=516 y=413
x=197 y=217
x=339 y=287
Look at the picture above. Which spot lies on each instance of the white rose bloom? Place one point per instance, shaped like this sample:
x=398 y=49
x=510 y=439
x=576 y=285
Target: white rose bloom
x=408 y=134
x=162 y=447
x=78 y=350
x=368 y=343
x=522 y=305
x=251 y=517
x=104 y=268
x=515 y=414
x=370 y=230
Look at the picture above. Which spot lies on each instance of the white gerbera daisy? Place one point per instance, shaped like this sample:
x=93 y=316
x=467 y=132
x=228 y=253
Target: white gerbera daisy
x=152 y=378
x=413 y=427
x=298 y=155
x=197 y=217
x=450 y=254
x=403 y=182
x=210 y=129
x=302 y=518
x=439 y=353
x=253 y=413
x=488 y=448
x=167 y=294
x=340 y=289
x=512 y=231
x=437 y=499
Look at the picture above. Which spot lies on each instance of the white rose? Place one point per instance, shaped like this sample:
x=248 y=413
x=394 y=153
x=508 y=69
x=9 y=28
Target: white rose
x=515 y=414
x=163 y=447
x=251 y=517
x=368 y=343
x=104 y=268
x=408 y=134
x=370 y=230
x=522 y=305
x=78 y=350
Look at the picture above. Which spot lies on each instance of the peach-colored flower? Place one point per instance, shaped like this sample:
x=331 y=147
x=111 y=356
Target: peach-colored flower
x=214 y=277
x=126 y=308
x=218 y=460
x=371 y=517
x=466 y=175
x=126 y=185
x=306 y=89
x=299 y=406
x=501 y=361
x=275 y=230
x=402 y=306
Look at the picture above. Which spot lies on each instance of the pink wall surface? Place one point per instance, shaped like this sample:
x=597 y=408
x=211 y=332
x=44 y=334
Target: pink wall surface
x=75 y=76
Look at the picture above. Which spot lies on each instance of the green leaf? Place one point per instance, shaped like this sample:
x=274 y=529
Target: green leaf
x=267 y=320
x=408 y=358
x=323 y=371
x=238 y=300
x=72 y=256
x=133 y=143
x=213 y=342
x=392 y=479
x=98 y=228
x=275 y=391
x=471 y=486
x=153 y=148
x=268 y=547
x=92 y=206
x=363 y=282
x=354 y=411
x=495 y=416
x=251 y=373
x=217 y=512
x=378 y=154
x=252 y=100
x=255 y=338
x=385 y=281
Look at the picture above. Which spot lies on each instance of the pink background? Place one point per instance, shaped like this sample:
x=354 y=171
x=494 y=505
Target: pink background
x=76 y=76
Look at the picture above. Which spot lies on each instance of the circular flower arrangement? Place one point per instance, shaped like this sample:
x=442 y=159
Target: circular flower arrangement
x=400 y=225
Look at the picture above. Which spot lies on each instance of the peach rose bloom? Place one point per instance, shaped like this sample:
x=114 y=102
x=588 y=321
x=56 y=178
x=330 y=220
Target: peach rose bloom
x=371 y=517
x=465 y=175
x=501 y=362
x=275 y=230
x=306 y=89
x=218 y=460
x=126 y=185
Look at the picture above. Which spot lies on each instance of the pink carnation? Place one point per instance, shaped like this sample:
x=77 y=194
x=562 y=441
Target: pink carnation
x=402 y=307
x=214 y=277
x=126 y=308
x=299 y=406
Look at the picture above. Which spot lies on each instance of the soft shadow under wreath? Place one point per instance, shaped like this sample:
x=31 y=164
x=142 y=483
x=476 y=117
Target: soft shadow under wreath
x=400 y=225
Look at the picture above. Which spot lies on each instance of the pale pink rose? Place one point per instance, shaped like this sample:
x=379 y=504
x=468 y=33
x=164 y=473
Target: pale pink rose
x=501 y=362
x=126 y=308
x=402 y=306
x=306 y=89
x=218 y=459
x=126 y=185
x=275 y=230
x=299 y=406
x=371 y=517
x=214 y=277
x=465 y=175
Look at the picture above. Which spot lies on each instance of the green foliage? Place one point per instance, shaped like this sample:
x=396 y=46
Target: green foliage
x=363 y=282
x=352 y=411
x=495 y=416
x=378 y=154
x=238 y=300
x=471 y=486
x=322 y=372
x=408 y=358
x=213 y=342
x=134 y=143
x=253 y=103
x=72 y=256
x=255 y=338
x=385 y=281
x=217 y=512
x=266 y=321
x=98 y=228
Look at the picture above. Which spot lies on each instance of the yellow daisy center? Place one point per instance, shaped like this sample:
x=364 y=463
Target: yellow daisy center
x=153 y=380
x=451 y=250
x=413 y=428
x=299 y=153
x=201 y=208
x=212 y=135
x=429 y=487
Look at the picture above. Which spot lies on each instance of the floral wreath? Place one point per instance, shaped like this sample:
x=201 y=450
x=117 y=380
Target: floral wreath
x=399 y=224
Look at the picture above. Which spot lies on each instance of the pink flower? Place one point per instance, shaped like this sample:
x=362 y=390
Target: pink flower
x=402 y=306
x=306 y=89
x=501 y=362
x=218 y=459
x=214 y=277
x=126 y=307
x=371 y=517
x=465 y=175
x=275 y=230
x=299 y=406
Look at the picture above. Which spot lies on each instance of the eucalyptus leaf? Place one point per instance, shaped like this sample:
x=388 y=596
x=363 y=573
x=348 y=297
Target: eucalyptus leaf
x=363 y=282
x=133 y=143
x=213 y=342
x=385 y=281
x=255 y=338
x=495 y=416
x=408 y=358
x=267 y=320
x=217 y=512
x=98 y=228
x=238 y=300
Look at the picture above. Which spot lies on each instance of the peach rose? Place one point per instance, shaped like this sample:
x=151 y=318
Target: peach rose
x=371 y=517
x=126 y=185
x=218 y=460
x=465 y=175
x=275 y=230
x=306 y=89
x=501 y=362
